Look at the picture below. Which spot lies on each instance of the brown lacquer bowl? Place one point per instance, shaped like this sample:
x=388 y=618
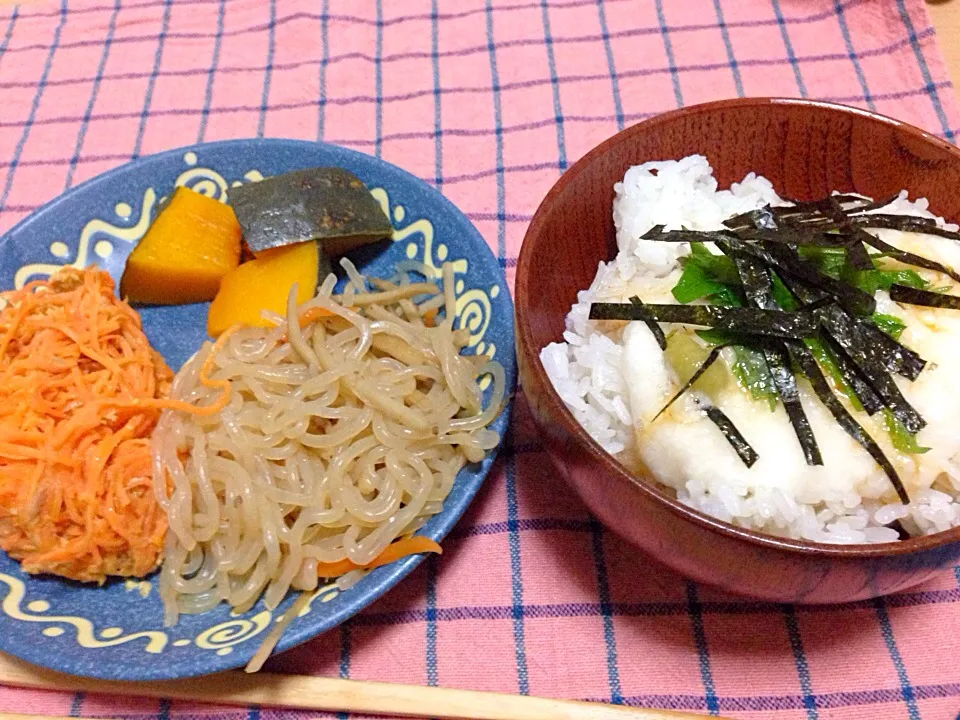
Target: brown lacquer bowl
x=806 y=149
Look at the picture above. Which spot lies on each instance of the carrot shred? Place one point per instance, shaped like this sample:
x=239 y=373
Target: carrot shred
x=80 y=393
x=430 y=317
x=412 y=545
x=313 y=314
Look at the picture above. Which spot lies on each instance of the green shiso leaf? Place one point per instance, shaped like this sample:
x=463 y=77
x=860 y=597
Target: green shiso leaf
x=902 y=439
x=695 y=284
x=890 y=324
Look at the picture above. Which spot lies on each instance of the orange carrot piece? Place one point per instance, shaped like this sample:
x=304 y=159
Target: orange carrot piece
x=313 y=314
x=412 y=545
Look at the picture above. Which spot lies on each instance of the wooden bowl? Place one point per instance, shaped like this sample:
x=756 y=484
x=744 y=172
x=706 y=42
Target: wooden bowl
x=806 y=149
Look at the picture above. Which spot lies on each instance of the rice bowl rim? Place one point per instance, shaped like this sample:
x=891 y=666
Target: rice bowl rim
x=558 y=409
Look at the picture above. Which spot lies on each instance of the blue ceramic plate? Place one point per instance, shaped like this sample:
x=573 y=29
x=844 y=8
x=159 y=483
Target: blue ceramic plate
x=116 y=631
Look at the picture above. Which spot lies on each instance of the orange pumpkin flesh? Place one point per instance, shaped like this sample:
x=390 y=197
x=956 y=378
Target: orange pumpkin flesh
x=192 y=244
x=264 y=284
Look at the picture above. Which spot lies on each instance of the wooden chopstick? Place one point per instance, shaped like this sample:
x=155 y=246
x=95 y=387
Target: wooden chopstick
x=335 y=695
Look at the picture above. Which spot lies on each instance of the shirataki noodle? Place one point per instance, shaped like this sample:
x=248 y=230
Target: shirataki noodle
x=345 y=429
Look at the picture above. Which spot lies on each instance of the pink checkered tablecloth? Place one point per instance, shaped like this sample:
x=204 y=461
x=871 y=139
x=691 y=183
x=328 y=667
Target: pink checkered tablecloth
x=490 y=101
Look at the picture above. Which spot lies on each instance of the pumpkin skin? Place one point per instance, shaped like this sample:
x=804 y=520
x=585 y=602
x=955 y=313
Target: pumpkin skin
x=192 y=244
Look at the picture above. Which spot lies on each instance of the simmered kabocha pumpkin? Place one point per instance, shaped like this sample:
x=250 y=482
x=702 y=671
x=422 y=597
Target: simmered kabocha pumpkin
x=264 y=284
x=188 y=249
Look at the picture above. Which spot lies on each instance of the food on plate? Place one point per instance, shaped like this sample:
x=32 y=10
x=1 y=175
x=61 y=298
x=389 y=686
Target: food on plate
x=306 y=444
x=264 y=284
x=327 y=204
x=80 y=393
x=192 y=244
x=346 y=425
x=790 y=367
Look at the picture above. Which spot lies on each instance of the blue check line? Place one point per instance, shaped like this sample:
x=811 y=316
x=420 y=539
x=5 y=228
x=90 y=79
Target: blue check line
x=800 y=660
x=437 y=116
x=378 y=84
x=211 y=73
x=555 y=85
x=94 y=91
x=668 y=49
x=76 y=704
x=848 y=42
x=31 y=116
x=163 y=710
x=703 y=650
x=611 y=64
x=725 y=34
x=498 y=131
x=9 y=33
x=886 y=629
x=791 y=56
x=152 y=80
x=606 y=613
x=324 y=61
x=268 y=69
x=516 y=578
x=431 y=622
x=931 y=88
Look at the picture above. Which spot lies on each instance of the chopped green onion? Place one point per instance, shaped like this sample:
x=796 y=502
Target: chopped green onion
x=902 y=439
x=890 y=324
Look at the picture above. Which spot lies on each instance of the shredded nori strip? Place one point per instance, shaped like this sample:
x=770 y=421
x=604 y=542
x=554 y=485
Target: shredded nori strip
x=857 y=256
x=907 y=258
x=871 y=367
x=786 y=259
x=905 y=223
x=777 y=323
x=925 y=298
x=736 y=439
x=759 y=291
x=762 y=219
x=895 y=357
x=867 y=204
x=871 y=402
x=660 y=235
x=704 y=366
x=901 y=530
x=784 y=235
x=654 y=327
x=807 y=363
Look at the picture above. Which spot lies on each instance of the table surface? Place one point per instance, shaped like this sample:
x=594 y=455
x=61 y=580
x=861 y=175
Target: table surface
x=945 y=16
x=491 y=100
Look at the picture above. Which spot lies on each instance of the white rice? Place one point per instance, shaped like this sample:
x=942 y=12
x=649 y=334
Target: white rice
x=614 y=378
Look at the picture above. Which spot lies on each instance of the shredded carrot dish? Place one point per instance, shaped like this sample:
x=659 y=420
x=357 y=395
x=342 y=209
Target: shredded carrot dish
x=80 y=392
